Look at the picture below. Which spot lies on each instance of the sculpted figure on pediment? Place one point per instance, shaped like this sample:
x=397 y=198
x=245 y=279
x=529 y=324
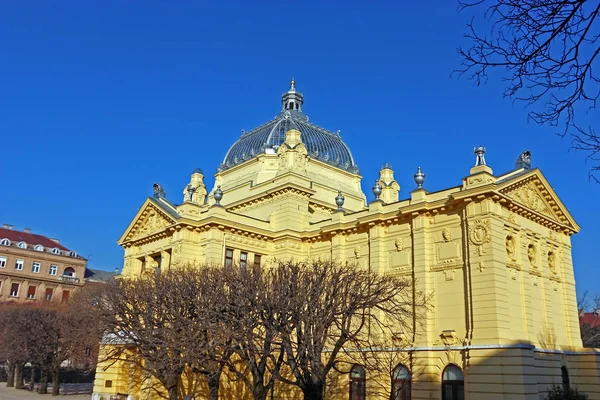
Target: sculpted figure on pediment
x=151 y=223
x=529 y=196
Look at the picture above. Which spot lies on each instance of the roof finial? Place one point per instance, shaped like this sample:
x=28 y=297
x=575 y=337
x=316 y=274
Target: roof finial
x=293 y=84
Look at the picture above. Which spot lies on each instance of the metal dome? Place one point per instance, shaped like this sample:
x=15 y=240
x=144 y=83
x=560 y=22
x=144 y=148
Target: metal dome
x=320 y=143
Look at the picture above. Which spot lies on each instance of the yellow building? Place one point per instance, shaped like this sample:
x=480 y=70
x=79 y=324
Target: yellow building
x=494 y=250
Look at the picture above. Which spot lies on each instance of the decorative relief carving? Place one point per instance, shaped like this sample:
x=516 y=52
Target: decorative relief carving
x=150 y=222
x=398 y=244
x=480 y=233
x=447 y=235
x=248 y=241
x=552 y=261
x=532 y=255
x=287 y=244
x=529 y=196
x=511 y=248
x=449 y=338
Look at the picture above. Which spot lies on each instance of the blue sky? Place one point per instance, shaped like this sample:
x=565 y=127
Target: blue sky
x=100 y=99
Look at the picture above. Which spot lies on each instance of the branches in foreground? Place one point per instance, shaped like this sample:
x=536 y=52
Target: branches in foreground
x=293 y=323
x=549 y=50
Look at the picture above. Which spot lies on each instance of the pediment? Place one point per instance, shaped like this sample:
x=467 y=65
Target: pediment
x=149 y=220
x=533 y=192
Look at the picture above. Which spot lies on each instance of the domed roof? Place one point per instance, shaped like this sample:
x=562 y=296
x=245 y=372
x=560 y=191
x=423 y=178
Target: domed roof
x=320 y=143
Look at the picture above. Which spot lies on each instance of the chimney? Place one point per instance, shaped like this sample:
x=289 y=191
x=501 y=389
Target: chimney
x=55 y=240
x=7 y=226
x=27 y=230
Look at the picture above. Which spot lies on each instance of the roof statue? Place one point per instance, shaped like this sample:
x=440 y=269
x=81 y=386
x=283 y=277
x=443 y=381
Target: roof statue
x=159 y=192
x=320 y=143
x=524 y=160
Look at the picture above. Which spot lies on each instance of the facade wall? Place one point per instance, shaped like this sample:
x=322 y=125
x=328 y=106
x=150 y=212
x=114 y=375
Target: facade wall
x=494 y=254
x=42 y=280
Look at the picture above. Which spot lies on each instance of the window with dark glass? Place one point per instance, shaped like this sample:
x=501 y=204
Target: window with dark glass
x=228 y=258
x=49 y=293
x=401 y=380
x=14 y=289
x=565 y=378
x=358 y=383
x=256 y=265
x=31 y=292
x=65 y=296
x=243 y=260
x=453 y=383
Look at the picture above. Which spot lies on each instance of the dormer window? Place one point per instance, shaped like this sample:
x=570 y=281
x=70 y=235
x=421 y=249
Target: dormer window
x=5 y=242
x=72 y=254
x=38 y=247
x=22 y=245
x=56 y=251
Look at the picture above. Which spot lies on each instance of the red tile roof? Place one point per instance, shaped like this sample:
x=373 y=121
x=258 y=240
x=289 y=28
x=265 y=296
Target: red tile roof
x=589 y=318
x=29 y=238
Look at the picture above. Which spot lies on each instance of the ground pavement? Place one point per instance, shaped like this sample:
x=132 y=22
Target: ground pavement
x=14 y=394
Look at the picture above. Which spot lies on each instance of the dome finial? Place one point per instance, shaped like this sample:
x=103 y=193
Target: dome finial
x=292 y=100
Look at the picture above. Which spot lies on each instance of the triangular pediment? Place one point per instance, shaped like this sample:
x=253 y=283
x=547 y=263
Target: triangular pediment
x=149 y=220
x=532 y=191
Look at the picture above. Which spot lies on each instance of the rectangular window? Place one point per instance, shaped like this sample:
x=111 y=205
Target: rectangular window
x=228 y=258
x=243 y=260
x=14 y=290
x=31 y=292
x=53 y=270
x=2 y=262
x=19 y=265
x=49 y=293
x=66 y=295
x=256 y=266
x=35 y=267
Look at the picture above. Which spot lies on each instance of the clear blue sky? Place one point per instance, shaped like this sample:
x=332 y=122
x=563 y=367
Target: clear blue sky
x=100 y=99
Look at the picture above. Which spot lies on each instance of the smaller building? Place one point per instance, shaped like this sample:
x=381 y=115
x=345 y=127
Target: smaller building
x=36 y=267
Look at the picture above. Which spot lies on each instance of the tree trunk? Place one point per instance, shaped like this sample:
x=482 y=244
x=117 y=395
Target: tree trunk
x=213 y=386
x=43 y=388
x=55 y=381
x=19 y=384
x=260 y=392
x=32 y=378
x=11 y=374
x=173 y=387
x=314 y=391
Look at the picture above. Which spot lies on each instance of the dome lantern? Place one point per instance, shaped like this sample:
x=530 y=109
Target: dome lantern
x=292 y=100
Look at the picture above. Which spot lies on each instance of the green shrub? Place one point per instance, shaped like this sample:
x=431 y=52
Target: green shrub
x=557 y=392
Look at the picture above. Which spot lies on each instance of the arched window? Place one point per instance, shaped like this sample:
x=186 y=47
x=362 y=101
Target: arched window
x=55 y=250
x=22 y=245
x=69 y=271
x=5 y=242
x=72 y=254
x=38 y=247
x=565 y=378
x=401 y=383
x=453 y=383
x=358 y=383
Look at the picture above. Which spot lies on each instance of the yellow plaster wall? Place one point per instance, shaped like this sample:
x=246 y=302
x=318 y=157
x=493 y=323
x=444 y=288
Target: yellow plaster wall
x=508 y=321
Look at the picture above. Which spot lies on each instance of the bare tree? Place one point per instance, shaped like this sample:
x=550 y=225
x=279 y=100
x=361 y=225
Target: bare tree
x=549 y=50
x=165 y=324
x=13 y=346
x=589 y=311
x=255 y=315
x=335 y=309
